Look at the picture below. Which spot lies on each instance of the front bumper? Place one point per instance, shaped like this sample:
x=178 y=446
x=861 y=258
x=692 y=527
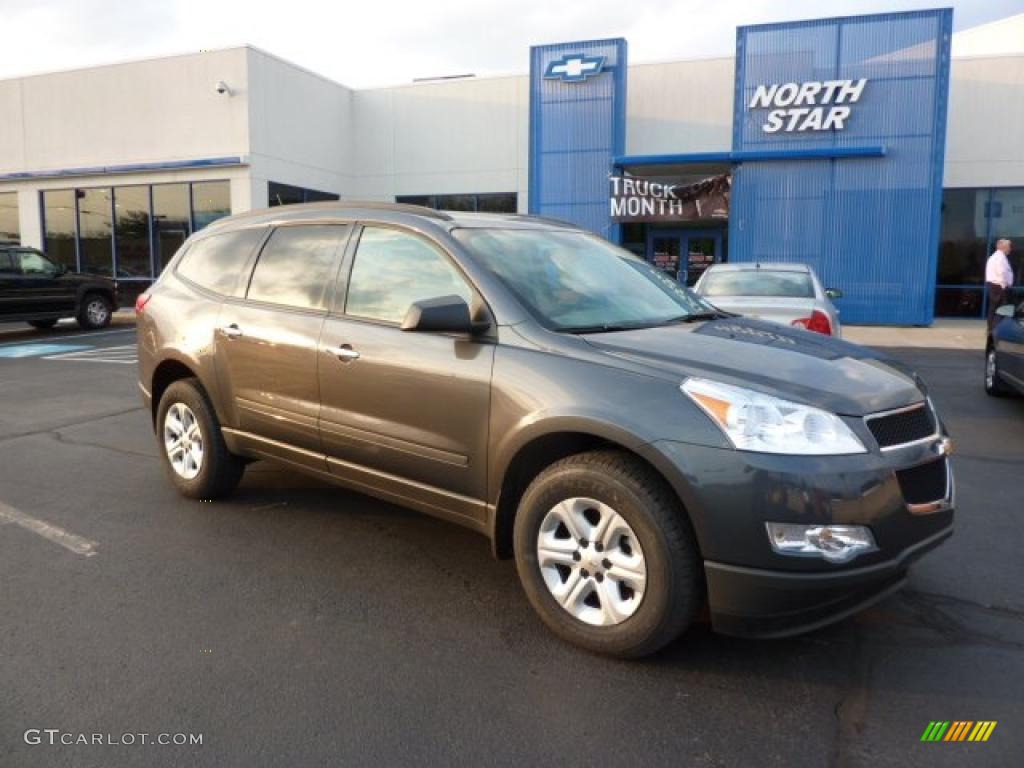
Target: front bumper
x=751 y=602
x=756 y=592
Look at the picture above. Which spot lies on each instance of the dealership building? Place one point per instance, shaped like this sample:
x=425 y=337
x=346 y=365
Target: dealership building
x=883 y=150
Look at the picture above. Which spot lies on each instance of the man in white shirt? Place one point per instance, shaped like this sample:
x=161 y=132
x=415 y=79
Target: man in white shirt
x=998 y=279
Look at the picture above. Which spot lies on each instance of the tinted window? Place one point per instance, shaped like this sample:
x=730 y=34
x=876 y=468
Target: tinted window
x=211 y=200
x=215 y=262
x=95 y=225
x=131 y=231
x=170 y=221
x=6 y=263
x=394 y=269
x=295 y=266
x=10 y=226
x=32 y=263
x=758 y=282
x=59 y=216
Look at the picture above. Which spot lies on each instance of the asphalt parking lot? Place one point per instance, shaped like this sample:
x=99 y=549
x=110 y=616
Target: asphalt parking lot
x=297 y=624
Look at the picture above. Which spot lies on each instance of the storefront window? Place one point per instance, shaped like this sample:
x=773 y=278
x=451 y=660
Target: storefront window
x=10 y=226
x=131 y=222
x=491 y=202
x=286 y=194
x=59 y=223
x=972 y=221
x=170 y=221
x=211 y=200
x=95 y=225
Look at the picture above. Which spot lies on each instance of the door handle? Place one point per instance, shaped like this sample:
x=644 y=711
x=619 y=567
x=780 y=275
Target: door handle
x=345 y=353
x=231 y=331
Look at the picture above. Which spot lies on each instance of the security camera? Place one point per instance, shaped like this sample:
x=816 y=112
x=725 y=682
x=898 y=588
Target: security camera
x=222 y=87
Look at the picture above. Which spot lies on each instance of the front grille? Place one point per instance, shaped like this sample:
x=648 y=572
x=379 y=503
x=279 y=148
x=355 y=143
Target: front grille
x=903 y=426
x=923 y=483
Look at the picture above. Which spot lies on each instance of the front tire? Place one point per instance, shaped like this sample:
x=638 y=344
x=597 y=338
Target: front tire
x=95 y=312
x=607 y=556
x=192 y=447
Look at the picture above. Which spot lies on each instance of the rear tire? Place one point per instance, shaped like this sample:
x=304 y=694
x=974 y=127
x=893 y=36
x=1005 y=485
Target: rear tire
x=994 y=386
x=585 y=591
x=42 y=325
x=192 y=447
x=95 y=312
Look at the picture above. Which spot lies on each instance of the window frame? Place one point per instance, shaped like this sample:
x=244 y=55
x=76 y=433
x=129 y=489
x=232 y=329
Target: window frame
x=339 y=308
x=333 y=273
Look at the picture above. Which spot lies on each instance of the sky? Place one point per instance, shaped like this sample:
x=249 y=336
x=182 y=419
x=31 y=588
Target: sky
x=375 y=42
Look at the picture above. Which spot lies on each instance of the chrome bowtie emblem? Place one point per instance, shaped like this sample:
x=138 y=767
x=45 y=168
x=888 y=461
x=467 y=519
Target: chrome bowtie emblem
x=574 y=68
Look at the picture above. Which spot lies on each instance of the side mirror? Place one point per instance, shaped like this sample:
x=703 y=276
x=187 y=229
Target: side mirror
x=445 y=314
x=1007 y=310
x=833 y=293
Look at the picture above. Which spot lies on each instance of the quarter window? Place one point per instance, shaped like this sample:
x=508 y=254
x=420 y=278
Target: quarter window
x=394 y=269
x=215 y=262
x=296 y=266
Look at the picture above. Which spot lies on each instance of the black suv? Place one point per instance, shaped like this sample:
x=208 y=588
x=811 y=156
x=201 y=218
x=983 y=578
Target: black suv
x=39 y=292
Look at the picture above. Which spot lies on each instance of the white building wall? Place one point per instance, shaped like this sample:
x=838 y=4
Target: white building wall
x=986 y=111
x=137 y=112
x=449 y=137
x=679 y=107
x=300 y=127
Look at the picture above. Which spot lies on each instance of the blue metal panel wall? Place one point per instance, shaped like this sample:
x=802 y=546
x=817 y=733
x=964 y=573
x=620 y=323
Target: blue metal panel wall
x=869 y=226
x=576 y=127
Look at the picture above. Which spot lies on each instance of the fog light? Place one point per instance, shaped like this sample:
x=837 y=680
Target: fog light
x=835 y=543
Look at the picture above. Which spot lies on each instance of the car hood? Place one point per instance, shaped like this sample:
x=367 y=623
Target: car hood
x=786 y=362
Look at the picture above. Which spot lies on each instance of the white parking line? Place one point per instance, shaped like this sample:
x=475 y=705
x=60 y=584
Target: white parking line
x=76 y=544
x=125 y=354
x=46 y=338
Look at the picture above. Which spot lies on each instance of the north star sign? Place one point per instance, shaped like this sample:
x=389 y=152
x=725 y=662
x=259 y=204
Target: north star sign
x=818 y=105
x=574 y=68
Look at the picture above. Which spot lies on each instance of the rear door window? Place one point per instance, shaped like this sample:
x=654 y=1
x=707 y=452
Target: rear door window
x=216 y=262
x=758 y=282
x=296 y=266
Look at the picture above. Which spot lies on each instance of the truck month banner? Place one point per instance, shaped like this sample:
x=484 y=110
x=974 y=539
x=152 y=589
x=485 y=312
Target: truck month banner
x=649 y=199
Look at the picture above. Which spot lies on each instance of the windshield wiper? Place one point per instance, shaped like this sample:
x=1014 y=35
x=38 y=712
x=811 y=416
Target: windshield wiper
x=696 y=317
x=603 y=327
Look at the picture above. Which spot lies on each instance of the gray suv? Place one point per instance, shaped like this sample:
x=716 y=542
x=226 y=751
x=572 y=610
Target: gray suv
x=641 y=454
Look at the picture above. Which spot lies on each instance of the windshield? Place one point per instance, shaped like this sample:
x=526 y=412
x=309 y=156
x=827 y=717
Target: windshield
x=578 y=283
x=757 y=282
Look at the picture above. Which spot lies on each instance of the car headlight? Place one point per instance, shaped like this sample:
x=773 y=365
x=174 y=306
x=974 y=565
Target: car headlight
x=757 y=422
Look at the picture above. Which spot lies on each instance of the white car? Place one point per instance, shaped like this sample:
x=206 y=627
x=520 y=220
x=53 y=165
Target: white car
x=790 y=294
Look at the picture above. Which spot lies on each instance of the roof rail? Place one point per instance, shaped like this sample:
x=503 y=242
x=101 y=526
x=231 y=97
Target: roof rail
x=548 y=219
x=328 y=205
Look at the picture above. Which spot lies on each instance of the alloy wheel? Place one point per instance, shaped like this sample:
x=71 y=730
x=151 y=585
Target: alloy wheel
x=183 y=441
x=591 y=561
x=97 y=312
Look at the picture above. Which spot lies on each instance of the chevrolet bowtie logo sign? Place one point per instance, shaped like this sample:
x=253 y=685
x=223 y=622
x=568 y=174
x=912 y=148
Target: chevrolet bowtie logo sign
x=574 y=68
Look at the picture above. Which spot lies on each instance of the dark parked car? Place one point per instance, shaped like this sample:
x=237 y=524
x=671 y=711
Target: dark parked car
x=1004 y=353
x=639 y=453
x=37 y=291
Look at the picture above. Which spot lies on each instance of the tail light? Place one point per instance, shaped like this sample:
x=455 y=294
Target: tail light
x=817 y=322
x=141 y=301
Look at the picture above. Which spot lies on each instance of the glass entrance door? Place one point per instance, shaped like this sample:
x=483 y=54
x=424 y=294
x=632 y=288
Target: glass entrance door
x=684 y=254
